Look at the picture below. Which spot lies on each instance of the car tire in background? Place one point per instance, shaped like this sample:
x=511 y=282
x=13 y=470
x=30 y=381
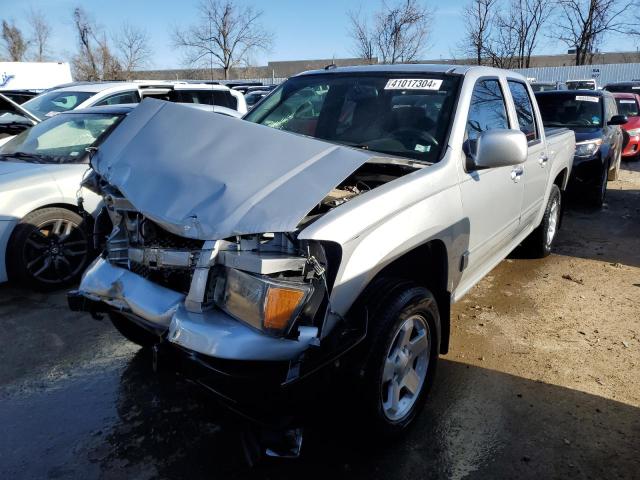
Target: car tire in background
x=403 y=346
x=49 y=249
x=614 y=173
x=132 y=332
x=598 y=192
x=539 y=242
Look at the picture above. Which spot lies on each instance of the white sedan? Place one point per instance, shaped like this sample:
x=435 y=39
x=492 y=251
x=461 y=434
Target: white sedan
x=44 y=241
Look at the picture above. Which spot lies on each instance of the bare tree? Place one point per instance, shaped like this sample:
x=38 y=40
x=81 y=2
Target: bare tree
x=225 y=35
x=583 y=24
x=14 y=42
x=501 y=49
x=360 y=32
x=132 y=44
x=478 y=17
x=519 y=28
x=40 y=34
x=400 y=32
x=94 y=60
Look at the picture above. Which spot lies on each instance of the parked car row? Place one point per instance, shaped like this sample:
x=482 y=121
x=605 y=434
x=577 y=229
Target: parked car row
x=593 y=116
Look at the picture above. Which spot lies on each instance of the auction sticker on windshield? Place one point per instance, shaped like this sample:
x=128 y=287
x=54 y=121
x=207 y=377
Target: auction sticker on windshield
x=413 y=84
x=584 y=98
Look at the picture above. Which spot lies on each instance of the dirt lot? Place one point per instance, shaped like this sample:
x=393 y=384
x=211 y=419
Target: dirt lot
x=542 y=381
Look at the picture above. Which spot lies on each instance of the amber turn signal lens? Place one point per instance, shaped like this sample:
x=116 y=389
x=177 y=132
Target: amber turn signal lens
x=280 y=306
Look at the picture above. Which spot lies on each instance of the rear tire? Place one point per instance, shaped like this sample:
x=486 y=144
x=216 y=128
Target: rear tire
x=538 y=244
x=133 y=332
x=401 y=359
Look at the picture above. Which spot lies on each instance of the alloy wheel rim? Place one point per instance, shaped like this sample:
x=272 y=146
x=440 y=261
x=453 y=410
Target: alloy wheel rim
x=55 y=251
x=405 y=367
x=552 y=228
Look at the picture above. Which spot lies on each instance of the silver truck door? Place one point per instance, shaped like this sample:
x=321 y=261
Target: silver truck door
x=536 y=167
x=491 y=197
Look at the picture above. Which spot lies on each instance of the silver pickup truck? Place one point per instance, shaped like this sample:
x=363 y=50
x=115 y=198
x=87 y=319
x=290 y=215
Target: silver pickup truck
x=330 y=231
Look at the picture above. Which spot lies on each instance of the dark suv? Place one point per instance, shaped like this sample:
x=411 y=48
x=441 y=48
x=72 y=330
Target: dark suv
x=593 y=116
x=624 y=87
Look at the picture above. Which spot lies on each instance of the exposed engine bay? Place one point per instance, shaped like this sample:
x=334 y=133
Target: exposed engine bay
x=369 y=176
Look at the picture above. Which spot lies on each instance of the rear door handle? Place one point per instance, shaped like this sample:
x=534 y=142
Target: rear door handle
x=516 y=173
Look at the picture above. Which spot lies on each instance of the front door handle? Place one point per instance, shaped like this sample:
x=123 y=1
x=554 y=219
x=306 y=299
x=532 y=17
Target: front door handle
x=516 y=173
x=543 y=159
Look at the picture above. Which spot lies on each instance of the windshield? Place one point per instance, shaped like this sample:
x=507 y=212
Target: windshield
x=407 y=117
x=62 y=139
x=51 y=103
x=253 y=98
x=577 y=85
x=627 y=106
x=221 y=98
x=544 y=87
x=623 y=88
x=570 y=110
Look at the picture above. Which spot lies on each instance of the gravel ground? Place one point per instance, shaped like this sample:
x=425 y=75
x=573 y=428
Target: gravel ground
x=542 y=381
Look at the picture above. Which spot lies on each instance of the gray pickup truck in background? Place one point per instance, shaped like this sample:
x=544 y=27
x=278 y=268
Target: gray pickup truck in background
x=330 y=230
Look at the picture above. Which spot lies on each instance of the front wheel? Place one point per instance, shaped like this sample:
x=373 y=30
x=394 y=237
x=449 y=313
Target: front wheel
x=49 y=249
x=599 y=191
x=402 y=359
x=614 y=173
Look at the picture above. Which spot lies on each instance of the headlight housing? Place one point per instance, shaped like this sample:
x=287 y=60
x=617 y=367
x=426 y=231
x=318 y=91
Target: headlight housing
x=264 y=303
x=588 y=148
x=634 y=132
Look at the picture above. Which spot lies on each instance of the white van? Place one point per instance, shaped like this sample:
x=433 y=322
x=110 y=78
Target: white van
x=33 y=75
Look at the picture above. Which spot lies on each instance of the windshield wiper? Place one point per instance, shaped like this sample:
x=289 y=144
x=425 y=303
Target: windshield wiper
x=361 y=146
x=16 y=124
x=25 y=156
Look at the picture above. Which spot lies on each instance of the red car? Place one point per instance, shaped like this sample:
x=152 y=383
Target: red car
x=629 y=105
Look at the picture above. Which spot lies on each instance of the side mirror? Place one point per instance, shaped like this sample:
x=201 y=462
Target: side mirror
x=499 y=148
x=618 y=120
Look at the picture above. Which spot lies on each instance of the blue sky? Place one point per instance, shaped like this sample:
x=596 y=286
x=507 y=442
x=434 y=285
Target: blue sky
x=303 y=30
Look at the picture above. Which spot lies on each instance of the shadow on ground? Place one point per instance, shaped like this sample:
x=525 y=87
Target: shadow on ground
x=478 y=423
x=610 y=234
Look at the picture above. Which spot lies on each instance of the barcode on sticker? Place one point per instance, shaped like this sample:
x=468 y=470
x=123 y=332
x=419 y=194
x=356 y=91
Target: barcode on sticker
x=584 y=98
x=413 y=84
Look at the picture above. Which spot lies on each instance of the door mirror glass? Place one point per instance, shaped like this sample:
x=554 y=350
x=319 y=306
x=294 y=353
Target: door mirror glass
x=497 y=148
x=618 y=120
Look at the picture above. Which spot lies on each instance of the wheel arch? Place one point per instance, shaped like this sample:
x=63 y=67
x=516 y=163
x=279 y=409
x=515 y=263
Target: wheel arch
x=562 y=179
x=426 y=265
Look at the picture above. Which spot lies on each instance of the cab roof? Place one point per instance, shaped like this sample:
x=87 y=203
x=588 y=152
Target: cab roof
x=414 y=68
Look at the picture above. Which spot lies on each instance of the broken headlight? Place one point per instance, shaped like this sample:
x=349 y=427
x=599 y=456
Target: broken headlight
x=268 y=304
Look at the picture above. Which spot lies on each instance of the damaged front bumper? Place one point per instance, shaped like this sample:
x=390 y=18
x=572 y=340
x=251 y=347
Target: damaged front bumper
x=213 y=333
x=255 y=375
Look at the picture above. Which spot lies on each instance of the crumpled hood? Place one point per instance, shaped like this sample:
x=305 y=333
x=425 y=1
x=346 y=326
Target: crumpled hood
x=206 y=176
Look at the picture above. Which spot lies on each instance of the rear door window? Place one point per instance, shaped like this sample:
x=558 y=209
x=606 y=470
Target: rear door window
x=524 y=110
x=120 y=98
